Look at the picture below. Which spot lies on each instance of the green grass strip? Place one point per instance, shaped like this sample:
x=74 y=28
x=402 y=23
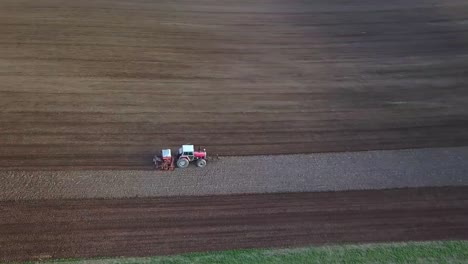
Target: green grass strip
x=414 y=252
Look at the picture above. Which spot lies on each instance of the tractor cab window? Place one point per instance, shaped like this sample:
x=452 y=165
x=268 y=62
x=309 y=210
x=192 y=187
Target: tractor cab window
x=188 y=153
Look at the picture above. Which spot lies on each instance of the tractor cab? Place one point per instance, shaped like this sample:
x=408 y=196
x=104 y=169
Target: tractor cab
x=187 y=151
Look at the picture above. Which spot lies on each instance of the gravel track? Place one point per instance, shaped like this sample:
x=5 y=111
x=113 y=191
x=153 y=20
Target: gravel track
x=253 y=174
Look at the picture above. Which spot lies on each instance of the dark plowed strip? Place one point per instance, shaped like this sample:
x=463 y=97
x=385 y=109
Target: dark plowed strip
x=104 y=84
x=154 y=226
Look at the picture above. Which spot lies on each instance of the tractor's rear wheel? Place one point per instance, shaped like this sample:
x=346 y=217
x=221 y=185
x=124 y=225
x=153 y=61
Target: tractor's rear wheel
x=201 y=163
x=182 y=163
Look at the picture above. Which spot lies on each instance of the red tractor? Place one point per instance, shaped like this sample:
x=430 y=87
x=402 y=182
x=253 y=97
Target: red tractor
x=185 y=155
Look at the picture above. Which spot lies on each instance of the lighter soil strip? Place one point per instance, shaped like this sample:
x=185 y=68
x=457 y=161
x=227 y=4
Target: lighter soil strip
x=253 y=174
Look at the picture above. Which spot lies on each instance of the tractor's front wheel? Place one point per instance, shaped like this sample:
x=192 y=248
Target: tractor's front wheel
x=201 y=163
x=182 y=163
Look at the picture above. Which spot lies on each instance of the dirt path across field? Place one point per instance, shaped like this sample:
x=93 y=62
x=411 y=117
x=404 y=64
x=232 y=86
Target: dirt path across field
x=142 y=226
x=253 y=174
x=105 y=83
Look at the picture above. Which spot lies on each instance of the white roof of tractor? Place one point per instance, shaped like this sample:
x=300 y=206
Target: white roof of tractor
x=186 y=148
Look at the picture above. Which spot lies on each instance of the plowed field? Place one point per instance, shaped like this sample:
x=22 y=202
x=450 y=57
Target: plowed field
x=106 y=83
x=155 y=226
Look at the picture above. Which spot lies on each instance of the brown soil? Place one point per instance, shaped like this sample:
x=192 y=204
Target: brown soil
x=155 y=226
x=106 y=83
